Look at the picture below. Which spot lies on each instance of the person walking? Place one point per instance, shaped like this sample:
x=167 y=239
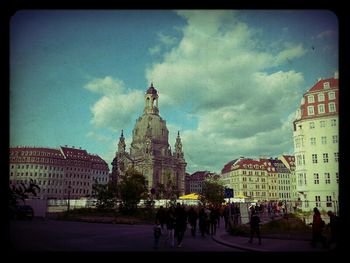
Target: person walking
x=180 y=223
x=170 y=225
x=254 y=225
x=192 y=219
x=156 y=233
x=317 y=228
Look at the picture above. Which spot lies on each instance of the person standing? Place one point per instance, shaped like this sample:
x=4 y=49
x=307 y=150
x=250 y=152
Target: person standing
x=254 y=226
x=334 y=228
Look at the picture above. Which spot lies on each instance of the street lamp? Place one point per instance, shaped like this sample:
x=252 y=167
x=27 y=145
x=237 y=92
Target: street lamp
x=69 y=187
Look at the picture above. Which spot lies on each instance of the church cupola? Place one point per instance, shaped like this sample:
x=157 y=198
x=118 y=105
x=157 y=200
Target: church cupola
x=151 y=101
x=121 y=144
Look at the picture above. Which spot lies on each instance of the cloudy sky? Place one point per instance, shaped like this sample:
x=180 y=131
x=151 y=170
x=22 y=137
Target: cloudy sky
x=228 y=80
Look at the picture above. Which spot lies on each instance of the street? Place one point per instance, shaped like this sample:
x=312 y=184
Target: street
x=57 y=236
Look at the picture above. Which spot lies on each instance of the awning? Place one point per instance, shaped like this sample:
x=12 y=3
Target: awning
x=192 y=196
x=241 y=196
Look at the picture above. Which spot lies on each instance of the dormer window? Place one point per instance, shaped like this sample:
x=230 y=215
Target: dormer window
x=326 y=85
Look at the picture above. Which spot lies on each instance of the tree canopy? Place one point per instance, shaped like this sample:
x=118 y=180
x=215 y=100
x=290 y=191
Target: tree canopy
x=132 y=188
x=212 y=192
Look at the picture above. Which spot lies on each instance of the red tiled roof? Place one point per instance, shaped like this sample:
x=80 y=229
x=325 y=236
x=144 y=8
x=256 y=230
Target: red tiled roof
x=333 y=83
x=227 y=167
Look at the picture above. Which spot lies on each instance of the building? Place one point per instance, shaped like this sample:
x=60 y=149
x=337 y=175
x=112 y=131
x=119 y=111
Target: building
x=259 y=179
x=315 y=135
x=63 y=173
x=150 y=152
x=194 y=182
x=289 y=162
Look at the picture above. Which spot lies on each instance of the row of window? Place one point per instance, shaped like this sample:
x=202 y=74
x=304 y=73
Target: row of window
x=321 y=108
x=325 y=157
x=321 y=96
x=35 y=153
x=299 y=142
x=54 y=168
x=316 y=178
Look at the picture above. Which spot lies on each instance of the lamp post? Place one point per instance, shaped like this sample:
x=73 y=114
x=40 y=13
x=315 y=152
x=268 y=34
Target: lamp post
x=69 y=187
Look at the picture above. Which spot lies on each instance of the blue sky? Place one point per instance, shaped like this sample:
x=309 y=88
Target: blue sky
x=229 y=80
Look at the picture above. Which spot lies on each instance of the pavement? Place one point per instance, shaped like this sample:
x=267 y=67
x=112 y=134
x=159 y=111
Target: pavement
x=267 y=244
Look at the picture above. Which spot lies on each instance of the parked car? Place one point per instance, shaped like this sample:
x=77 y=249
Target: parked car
x=23 y=212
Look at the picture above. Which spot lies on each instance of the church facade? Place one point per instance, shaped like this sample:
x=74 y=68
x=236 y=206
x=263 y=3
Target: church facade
x=150 y=152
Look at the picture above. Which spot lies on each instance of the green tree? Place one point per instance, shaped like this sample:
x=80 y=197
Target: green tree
x=22 y=191
x=105 y=195
x=212 y=192
x=168 y=190
x=132 y=189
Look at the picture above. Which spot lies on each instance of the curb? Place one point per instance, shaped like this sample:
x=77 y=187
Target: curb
x=221 y=241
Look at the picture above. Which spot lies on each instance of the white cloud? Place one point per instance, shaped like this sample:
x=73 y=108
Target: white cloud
x=117 y=107
x=154 y=50
x=225 y=76
x=327 y=33
x=98 y=137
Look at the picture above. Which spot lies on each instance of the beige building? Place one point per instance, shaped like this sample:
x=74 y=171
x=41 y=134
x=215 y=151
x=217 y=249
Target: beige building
x=62 y=173
x=150 y=152
x=315 y=135
x=260 y=179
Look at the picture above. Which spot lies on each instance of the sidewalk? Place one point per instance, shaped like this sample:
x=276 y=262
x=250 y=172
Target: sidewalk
x=268 y=244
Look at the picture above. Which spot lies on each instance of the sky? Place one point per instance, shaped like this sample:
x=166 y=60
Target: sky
x=229 y=80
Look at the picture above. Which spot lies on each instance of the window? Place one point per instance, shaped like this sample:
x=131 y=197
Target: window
x=335 y=138
x=327 y=178
x=331 y=95
x=310 y=98
x=329 y=201
x=337 y=177
x=316 y=178
x=336 y=157
x=326 y=85
x=325 y=157
x=324 y=140
x=312 y=125
x=321 y=108
x=310 y=110
x=314 y=158
x=313 y=141
x=322 y=124
x=331 y=107
x=320 y=97
x=318 y=200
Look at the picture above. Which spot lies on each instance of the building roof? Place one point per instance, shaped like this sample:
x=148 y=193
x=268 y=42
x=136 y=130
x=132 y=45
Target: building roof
x=333 y=83
x=36 y=152
x=228 y=167
x=200 y=175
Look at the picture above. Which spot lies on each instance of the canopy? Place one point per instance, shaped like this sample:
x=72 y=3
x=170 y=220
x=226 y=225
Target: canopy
x=192 y=196
x=240 y=196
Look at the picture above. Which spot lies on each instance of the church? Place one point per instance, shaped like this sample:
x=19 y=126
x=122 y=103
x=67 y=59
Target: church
x=150 y=152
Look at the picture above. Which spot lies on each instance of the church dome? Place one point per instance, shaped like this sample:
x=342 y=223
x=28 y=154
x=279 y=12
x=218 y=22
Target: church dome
x=153 y=126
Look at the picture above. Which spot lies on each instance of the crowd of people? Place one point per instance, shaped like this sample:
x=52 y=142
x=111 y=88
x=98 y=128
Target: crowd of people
x=172 y=222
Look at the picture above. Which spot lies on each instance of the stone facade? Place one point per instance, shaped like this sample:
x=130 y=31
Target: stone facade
x=150 y=152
